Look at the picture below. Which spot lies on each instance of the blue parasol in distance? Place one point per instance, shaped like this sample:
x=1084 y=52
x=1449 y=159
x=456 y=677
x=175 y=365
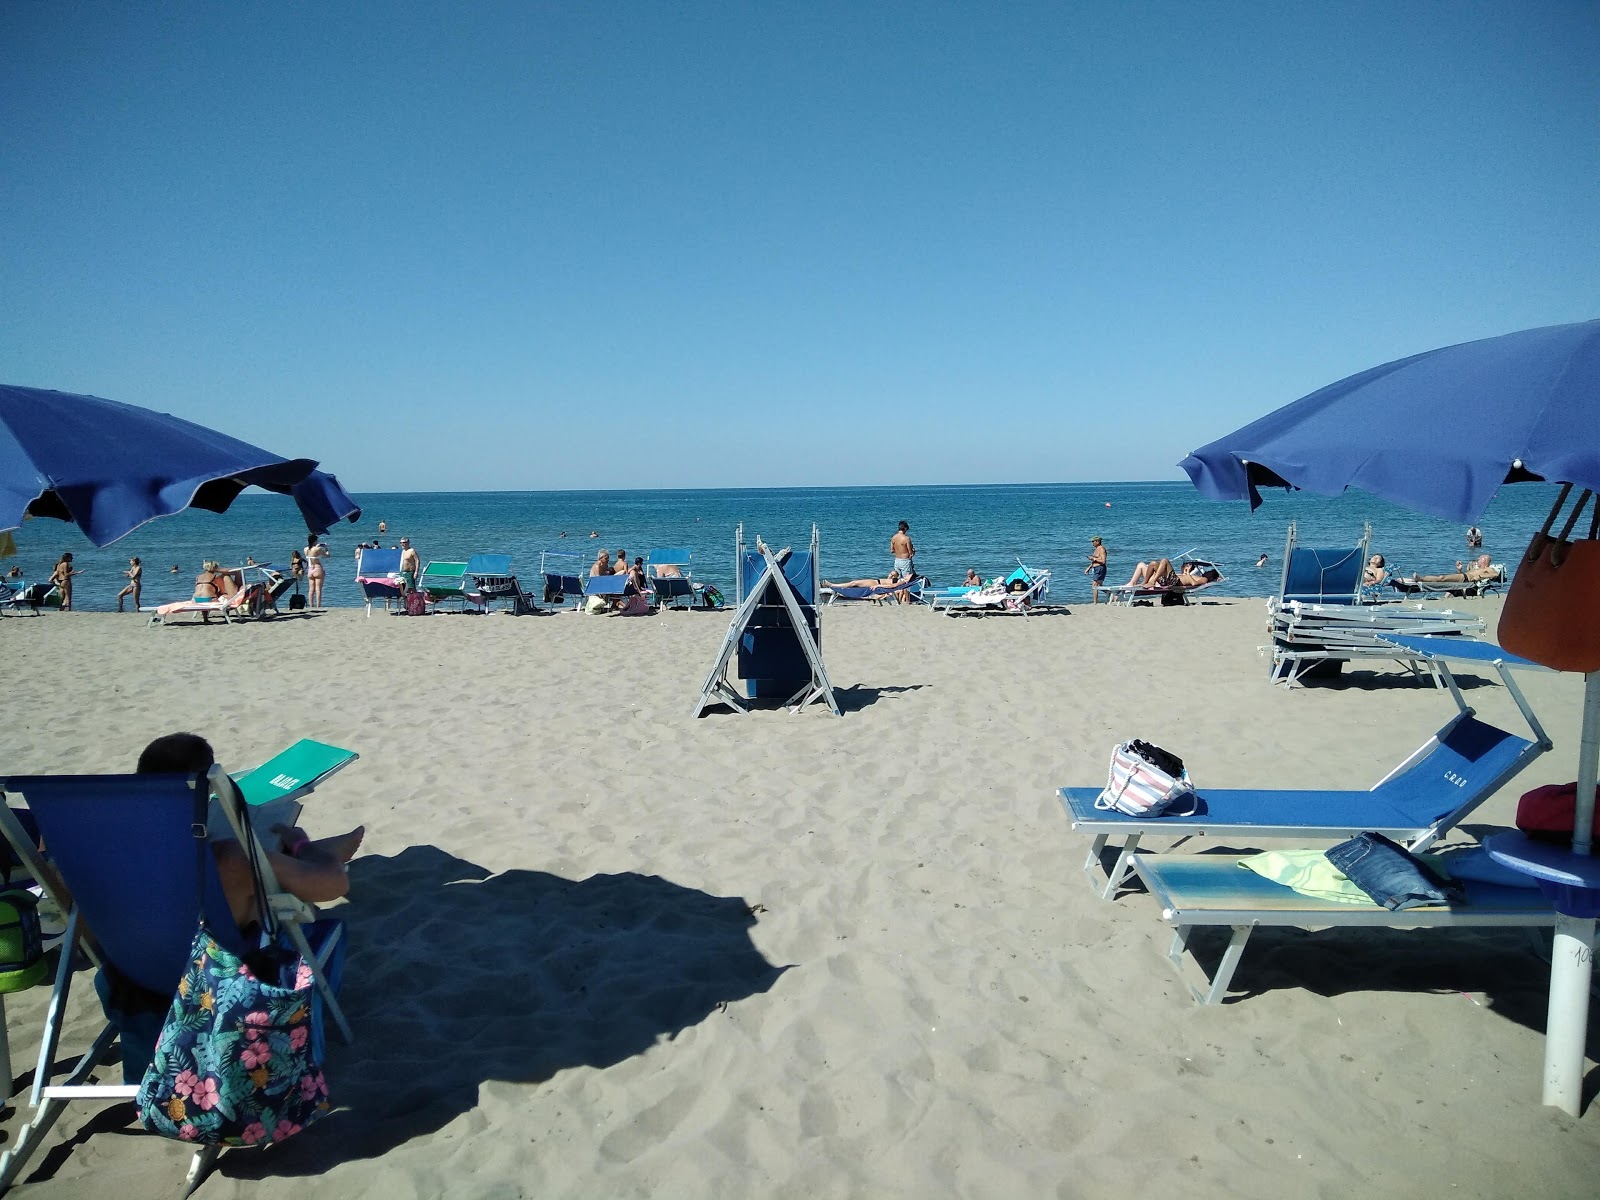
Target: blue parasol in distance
x=109 y=467
x=1439 y=432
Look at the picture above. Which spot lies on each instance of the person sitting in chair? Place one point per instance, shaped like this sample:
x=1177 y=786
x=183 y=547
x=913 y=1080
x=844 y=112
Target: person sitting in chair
x=1375 y=572
x=314 y=871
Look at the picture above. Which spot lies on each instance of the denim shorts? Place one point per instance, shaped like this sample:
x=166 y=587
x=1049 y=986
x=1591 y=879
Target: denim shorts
x=1391 y=875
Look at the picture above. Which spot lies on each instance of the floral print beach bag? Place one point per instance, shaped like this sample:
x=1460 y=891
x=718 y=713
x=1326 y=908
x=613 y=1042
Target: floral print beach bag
x=239 y=1059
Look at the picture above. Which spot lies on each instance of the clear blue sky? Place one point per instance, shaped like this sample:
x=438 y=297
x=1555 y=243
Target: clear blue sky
x=518 y=245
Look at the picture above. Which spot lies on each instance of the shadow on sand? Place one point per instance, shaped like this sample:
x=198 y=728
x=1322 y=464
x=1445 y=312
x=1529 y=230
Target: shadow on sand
x=457 y=977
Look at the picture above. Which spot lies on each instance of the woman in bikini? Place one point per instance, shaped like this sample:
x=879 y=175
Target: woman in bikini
x=62 y=578
x=315 y=570
x=135 y=574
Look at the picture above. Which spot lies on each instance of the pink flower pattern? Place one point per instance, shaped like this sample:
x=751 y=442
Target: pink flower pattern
x=240 y=1070
x=206 y=1096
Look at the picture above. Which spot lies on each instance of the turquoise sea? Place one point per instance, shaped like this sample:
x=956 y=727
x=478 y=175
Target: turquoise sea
x=954 y=527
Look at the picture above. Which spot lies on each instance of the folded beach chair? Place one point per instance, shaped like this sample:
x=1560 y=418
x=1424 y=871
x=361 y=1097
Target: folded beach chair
x=882 y=594
x=676 y=588
x=490 y=579
x=1436 y=788
x=444 y=583
x=1318 y=621
x=378 y=576
x=1211 y=890
x=563 y=576
x=124 y=846
x=246 y=601
x=774 y=640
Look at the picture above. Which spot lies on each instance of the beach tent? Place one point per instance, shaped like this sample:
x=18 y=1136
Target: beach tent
x=775 y=637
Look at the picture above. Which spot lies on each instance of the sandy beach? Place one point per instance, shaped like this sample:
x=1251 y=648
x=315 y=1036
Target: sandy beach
x=601 y=949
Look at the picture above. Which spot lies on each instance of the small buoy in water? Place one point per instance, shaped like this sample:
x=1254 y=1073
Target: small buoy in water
x=1108 y=504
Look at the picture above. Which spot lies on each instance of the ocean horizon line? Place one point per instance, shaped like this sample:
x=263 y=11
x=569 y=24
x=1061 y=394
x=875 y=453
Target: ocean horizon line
x=732 y=490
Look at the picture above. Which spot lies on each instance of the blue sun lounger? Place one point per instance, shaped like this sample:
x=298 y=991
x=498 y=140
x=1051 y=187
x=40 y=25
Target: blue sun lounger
x=124 y=846
x=676 y=587
x=378 y=574
x=492 y=580
x=1434 y=789
x=1197 y=891
x=881 y=594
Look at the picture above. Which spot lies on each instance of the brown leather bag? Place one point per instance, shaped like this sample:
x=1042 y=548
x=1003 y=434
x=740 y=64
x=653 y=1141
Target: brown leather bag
x=1552 y=612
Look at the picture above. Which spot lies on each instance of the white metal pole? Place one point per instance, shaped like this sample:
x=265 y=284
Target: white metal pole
x=1572 y=951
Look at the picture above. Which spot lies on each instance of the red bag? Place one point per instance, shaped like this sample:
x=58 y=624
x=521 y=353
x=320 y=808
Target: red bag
x=1552 y=612
x=1550 y=813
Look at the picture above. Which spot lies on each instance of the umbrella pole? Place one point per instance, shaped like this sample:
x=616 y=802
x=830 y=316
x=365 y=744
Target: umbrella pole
x=1572 y=952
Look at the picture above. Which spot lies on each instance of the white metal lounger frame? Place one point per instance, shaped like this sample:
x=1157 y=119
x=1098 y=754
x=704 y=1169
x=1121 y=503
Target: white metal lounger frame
x=1534 y=913
x=1414 y=837
x=981 y=602
x=1306 y=634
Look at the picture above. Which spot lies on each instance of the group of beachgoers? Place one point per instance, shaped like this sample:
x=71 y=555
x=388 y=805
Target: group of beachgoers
x=635 y=600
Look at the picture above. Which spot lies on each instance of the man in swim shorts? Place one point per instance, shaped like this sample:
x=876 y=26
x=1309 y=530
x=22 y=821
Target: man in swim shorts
x=903 y=552
x=1096 y=570
x=410 y=565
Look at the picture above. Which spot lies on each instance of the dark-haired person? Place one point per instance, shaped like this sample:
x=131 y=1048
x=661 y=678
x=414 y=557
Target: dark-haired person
x=312 y=870
x=62 y=578
x=903 y=552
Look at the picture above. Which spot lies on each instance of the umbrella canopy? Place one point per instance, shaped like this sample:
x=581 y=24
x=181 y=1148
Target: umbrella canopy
x=109 y=467
x=1438 y=432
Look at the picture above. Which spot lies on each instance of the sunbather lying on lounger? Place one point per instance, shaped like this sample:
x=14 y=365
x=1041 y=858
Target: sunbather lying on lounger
x=312 y=870
x=889 y=580
x=1160 y=573
x=1480 y=570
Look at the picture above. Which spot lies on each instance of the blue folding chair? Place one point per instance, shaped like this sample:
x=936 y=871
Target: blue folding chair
x=675 y=588
x=378 y=574
x=492 y=579
x=124 y=847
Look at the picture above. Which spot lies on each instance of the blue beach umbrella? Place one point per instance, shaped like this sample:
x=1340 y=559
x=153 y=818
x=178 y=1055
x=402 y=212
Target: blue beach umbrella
x=1439 y=432
x=109 y=467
